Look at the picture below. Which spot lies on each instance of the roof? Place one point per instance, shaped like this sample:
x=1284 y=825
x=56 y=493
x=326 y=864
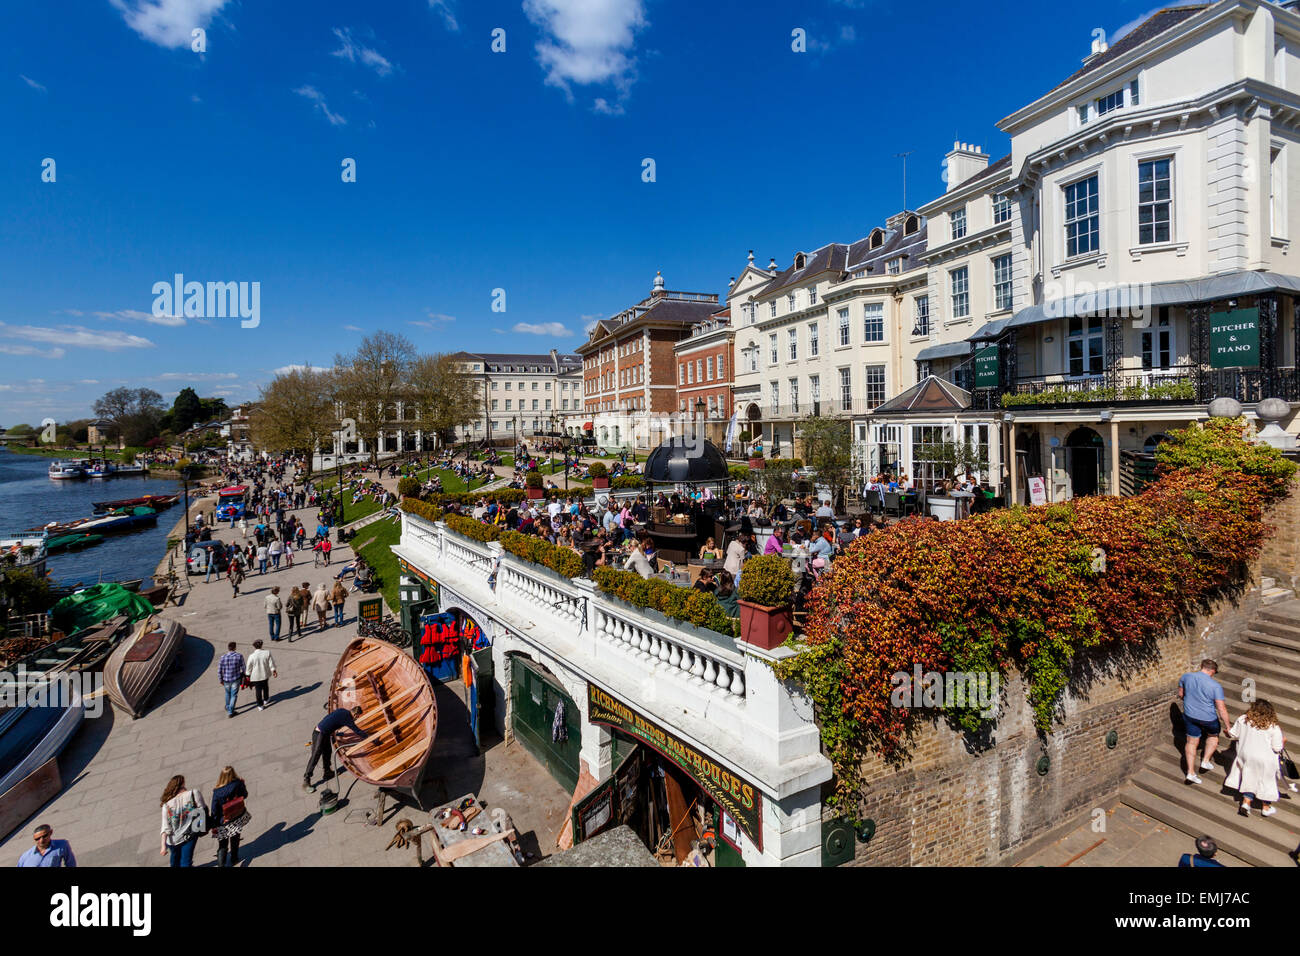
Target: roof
x=680 y=460
x=1148 y=29
x=520 y=358
x=947 y=350
x=829 y=258
x=931 y=394
x=893 y=245
x=667 y=309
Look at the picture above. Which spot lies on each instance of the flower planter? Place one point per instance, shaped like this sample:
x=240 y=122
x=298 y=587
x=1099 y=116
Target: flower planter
x=765 y=627
x=757 y=462
x=600 y=482
x=535 y=493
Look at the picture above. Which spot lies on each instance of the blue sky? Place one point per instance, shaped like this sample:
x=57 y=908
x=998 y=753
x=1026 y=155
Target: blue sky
x=476 y=170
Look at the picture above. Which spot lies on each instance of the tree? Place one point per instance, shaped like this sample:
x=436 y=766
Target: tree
x=826 y=450
x=295 y=412
x=213 y=409
x=186 y=410
x=441 y=396
x=134 y=412
x=372 y=380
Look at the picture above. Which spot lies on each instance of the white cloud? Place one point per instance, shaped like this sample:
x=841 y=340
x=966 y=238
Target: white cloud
x=195 y=376
x=31 y=350
x=32 y=83
x=448 y=14
x=313 y=94
x=435 y=320
x=87 y=381
x=168 y=22
x=66 y=312
x=555 y=329
x=352 y=51
x=76 y=336
x=135 y=315
x=283 y=369
x=353 y=328
x=195 y=98
x=588 y=42
x=603 y=105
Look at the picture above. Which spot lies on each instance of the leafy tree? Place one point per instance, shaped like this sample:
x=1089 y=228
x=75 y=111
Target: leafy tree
x=213 y=409
x=826 y=450
x=186 y=410
x=372 y=380
x=295 y=412
x=441 y=396
x=21 y=430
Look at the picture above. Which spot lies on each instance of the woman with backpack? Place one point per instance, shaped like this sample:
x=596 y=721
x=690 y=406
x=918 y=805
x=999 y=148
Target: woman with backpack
x=184 y=820
x=229 y=815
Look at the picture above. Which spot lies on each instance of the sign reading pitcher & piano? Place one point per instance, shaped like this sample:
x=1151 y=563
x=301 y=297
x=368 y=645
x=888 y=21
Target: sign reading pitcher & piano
x=1234 y=339
x=986 y=367
x=736 y=795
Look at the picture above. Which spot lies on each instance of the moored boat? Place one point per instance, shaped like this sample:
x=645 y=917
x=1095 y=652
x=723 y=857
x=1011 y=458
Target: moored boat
x=24 y=549
x=399 y=714
x=62 y=470
x=148 y=501
x=138 y=664
x=36 y=729
x=72 y=542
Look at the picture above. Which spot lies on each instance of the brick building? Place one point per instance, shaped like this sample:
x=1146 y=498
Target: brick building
x=704 y=374
x=629 y=371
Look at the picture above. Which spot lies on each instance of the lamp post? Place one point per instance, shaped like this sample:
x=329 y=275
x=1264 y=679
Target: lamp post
x=551 y=469
x=699 y=415
x=338 y=473
x=185 y=482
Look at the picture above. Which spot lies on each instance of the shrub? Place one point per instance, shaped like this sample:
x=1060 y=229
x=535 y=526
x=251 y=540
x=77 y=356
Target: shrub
x=628 y=481
x=408 y=487
x=792 y=463
x=1223 y=442
x=533 y=479
x=906 y=597
x=680 y=604
x=738 y=472
x=598 y=470
x=424 y=509
x=744 y=437
x=766 y=580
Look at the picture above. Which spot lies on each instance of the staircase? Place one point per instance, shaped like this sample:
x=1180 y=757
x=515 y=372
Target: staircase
x=1269 y=654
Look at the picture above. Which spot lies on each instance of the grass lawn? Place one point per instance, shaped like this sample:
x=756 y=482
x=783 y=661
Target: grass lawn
x=372 y=543
x=362 y=509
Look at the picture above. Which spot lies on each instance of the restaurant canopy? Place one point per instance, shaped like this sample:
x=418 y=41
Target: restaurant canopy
x=681 y=459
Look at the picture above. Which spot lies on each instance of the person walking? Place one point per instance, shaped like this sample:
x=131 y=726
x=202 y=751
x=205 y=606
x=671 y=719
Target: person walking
x=273 y=608
x=294 y=610
x=243 y=528
x=229 y=815
x=322 y=739
x=288 y=553
x=320 y=602
x=230 y=671
x=235 y=572
x=262 y=555
x=338 y=597
x=325 y=548
x=260 y=670
x=1204 y=714
x=47 y=851
x=184 y=820
x=1254 y=772
x=275 y=549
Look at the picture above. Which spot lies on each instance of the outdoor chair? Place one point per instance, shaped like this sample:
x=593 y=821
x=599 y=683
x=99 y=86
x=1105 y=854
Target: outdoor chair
x=893 y=504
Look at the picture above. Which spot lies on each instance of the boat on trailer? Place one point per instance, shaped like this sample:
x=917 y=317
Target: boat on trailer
x=399 y=715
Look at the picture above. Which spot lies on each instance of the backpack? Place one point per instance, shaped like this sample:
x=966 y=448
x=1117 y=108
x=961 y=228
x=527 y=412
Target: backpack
x=189 y=821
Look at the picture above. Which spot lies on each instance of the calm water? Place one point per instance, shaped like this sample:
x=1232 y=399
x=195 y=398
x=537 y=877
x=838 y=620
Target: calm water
x=29 y=498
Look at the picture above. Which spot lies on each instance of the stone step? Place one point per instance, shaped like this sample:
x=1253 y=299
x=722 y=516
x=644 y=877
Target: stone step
x=1280 y=692
x=1288 y=673
x=1264 y=655
x=1169 y=767
x=1272 y=596
x=1266 y=583
x=1194 y=823
x=1288 y=612
x=1256 y=635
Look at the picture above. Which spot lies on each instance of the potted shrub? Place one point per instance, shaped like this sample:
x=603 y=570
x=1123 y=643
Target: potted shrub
x=756 y=461
x=765 y=595
x=599 y=475
x=533 y=481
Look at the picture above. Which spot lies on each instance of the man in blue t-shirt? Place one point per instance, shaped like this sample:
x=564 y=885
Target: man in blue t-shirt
x=1205 y=850
x=1203 y=712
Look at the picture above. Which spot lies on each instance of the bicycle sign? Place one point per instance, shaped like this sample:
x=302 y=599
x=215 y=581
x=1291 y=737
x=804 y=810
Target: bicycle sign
x=371 y=610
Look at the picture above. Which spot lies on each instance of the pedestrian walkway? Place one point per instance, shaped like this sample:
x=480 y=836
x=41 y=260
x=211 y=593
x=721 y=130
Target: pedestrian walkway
x=115 y=768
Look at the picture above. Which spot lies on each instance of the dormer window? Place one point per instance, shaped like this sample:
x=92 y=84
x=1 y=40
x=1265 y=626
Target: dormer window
x=800 y=261
x=894 y=266
x=910 y=225
x=877 y=239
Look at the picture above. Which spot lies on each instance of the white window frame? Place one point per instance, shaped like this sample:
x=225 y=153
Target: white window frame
x=1171 y=201
x=957 y=223
x=846 y=336
x=1066 y=255
x=814 y=339
x=872 y=311
x=959 y=295
x=773 y=349
x=792 y=344
x=919 y=314
x=1001 y=202
x=870 y=372
x=1004 y=290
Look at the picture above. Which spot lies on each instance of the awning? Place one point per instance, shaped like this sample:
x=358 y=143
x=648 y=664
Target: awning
x=588 y=426
x=1133 y=298
x=947 y=350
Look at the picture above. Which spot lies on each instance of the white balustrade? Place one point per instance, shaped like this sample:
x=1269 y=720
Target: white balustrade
x=709 y=668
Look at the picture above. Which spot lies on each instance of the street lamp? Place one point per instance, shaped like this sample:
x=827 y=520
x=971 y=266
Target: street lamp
x=551 y=470
x=338 y=473
x=699 y=414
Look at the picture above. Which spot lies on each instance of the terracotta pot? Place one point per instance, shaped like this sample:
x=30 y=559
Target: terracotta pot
x=765 y=627
x=757 y=463
x=600 y=482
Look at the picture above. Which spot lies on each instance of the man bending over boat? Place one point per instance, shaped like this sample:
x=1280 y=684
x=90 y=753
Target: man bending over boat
x=321 y=739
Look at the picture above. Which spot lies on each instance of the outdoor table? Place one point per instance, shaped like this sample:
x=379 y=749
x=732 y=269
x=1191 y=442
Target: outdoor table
x=694 y=566
x=680 y=578
x=488 y=852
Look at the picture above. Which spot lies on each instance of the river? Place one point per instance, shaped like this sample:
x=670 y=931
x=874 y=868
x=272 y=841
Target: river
x=29 y=498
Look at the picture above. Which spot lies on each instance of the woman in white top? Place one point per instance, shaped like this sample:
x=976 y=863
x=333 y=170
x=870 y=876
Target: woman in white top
x=184 y=820
x=1254 y=772
x=638 y=562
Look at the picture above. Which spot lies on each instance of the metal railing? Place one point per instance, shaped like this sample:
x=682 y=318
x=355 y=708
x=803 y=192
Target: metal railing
x=1184 y=384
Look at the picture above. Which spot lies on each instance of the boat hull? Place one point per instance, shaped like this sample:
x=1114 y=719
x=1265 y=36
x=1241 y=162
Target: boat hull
x=31 y=735
x=129 y=682
x=400 y=714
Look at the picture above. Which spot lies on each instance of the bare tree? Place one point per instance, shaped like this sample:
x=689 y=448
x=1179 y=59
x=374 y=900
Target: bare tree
x=134 y=412
x=442 y=395
x=295 y=412
x=372 y=380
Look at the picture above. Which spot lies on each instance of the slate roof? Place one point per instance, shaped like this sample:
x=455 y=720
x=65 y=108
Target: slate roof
x=829 y=258
x=931 y=394
x=1148 y=29
x=542 y=360
x=895 y=244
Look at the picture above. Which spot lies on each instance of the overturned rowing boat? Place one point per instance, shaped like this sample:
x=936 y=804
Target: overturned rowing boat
x=138 y=664
x=399 y=714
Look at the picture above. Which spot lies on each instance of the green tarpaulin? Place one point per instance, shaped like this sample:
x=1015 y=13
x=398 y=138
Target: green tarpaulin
x=98 y=603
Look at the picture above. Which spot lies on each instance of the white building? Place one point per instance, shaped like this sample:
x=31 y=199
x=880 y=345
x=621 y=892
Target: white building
x=521 y=394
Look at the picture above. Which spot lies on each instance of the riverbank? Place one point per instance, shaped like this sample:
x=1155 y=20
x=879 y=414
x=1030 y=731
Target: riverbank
x=125 y=455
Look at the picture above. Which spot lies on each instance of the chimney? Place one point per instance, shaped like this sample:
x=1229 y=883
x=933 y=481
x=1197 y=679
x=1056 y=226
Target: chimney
x=963 y=162
x=1099 y=46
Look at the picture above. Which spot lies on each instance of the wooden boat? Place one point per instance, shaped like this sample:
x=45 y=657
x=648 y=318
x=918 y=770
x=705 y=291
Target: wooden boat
x=83 y=651
x=147 y=501
x=156 y=595
x=399 y=714
x=32 y=732
x=138 y=664
x=28 y=795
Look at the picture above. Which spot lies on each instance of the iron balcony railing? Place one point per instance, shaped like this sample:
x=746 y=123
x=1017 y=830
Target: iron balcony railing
x=1184 y=384
x=823 y=408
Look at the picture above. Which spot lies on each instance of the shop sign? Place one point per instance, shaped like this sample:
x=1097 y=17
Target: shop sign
x=407 y=568
x=371 y=610
x=734 y=794
x=1234 y=339
x=986 y=367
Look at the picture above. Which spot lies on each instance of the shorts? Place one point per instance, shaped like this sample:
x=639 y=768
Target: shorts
x=1195 y=727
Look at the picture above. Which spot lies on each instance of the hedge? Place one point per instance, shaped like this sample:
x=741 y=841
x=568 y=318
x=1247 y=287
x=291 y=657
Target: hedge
x=627 y=481
x=681 y=604
x=1026 y=588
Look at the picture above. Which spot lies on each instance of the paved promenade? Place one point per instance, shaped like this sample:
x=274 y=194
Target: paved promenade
x=115 y=768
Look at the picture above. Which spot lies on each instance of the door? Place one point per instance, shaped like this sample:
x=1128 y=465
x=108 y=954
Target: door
x=545 y=720
x=612 y=802
x=1084 y=448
